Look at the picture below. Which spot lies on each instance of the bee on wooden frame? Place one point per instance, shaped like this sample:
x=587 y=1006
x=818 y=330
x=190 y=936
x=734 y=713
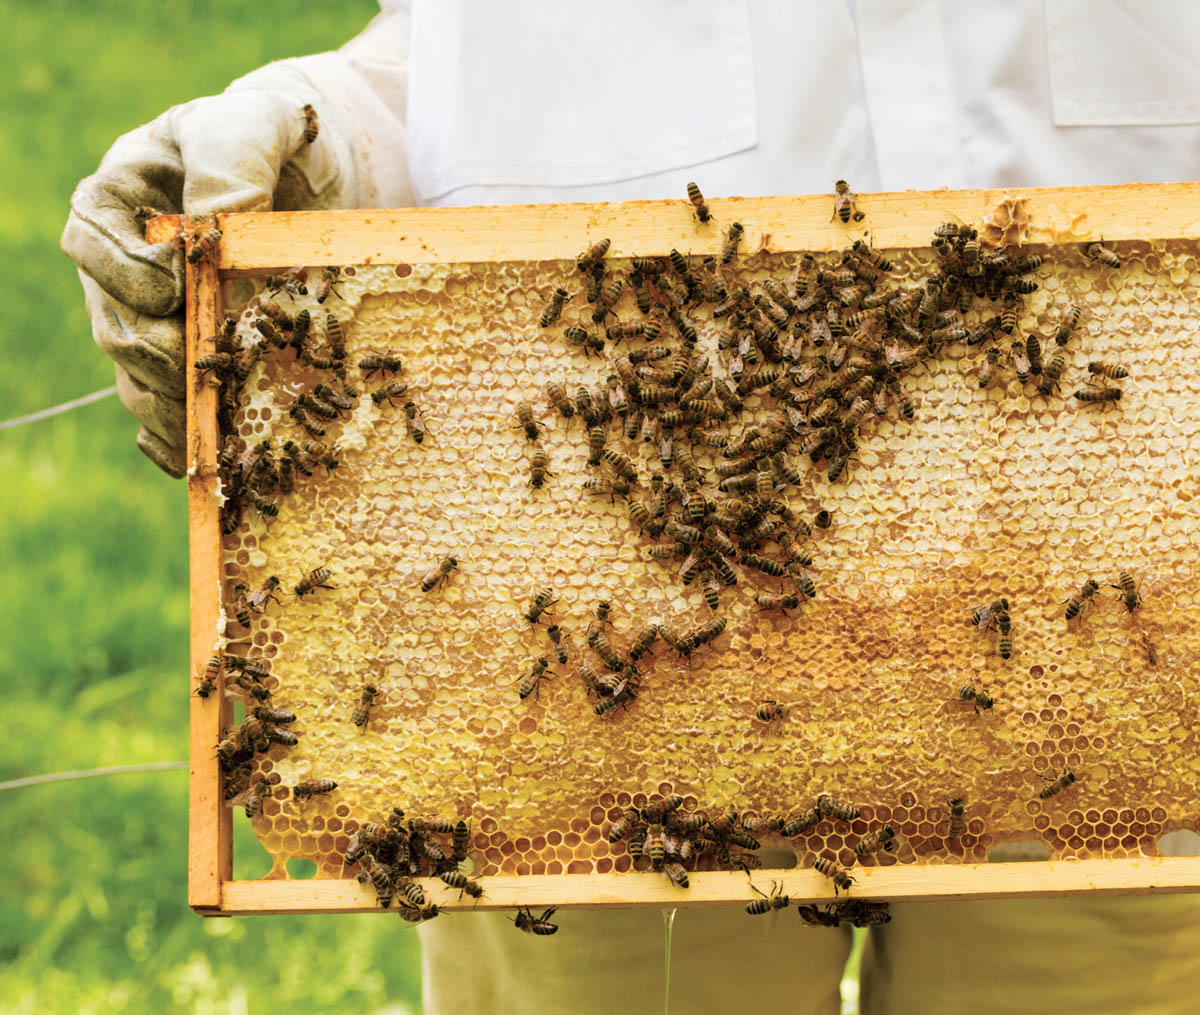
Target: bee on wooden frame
x=697 y=199
x=540 y=925
x=844 y=204
x=776 y=900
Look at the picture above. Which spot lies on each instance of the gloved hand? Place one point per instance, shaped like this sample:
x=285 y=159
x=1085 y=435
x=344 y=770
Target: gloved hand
x=243 y=150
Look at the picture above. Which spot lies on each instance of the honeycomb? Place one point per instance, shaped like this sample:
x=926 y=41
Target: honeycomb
x=986 y=492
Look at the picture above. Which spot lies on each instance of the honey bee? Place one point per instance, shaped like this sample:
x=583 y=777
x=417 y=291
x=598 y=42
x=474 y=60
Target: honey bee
x=1033 y=349
x=596 y=439
x=1098 y=394
x=557 y=394
x=1008 y=314
x=286 y=283
x=823 y=519
x=539 y=464
x=606 y=300
x=1057 y=784
x=270 y=332
x=204 y=245
x=326 y=284
x=987 y=372
x=414 y=422
x=1076 y=605
x=882 y=838
x=977 y=698
x=527 y=422
x=256 y=796
x=554 y=632
x=555 y=306
x=591 y=257
x=594 y=284
x=732 y=238
x=208 y=681
x=623 y=825
x=770 y=710
x=274 y=716
x=776 y=900
x=620 y=464
x=704 y=634
x=610 y=488
x=1004 y=642
x=583 y=338
x=985 y=617
x=871 y=256
x=362 y=711
x=315 y=579
x=802 y=823
x=831 y=869
x=1019 y=356
x=697 y=200
x=439 y=574
x=279 y=736
x=379 y=876
x=258 y=599
x=831 y=807
x=311 y=426
x=263 y=505
x=958 y=820
x=256 y=669
x=1053 y=371
x=540 y=925
x=1099 y=252
x=335 y=336
x=1129 y=591
x=384 y=362
x=1100 y=368
x=844 y=206
x=601 y=646
x=1069 y=324
x=676 y=873
x=783 y=603
x=312 y=787
x=311 y=126
x=220 y=362
x=317 y=406
x=390 y=393
x=541 y=603
x=532 y=680
x=456 y=879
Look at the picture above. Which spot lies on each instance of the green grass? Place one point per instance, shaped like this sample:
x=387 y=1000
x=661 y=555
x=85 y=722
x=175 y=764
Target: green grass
x=93 y=549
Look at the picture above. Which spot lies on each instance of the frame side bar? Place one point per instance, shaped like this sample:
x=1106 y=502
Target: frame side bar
x=210 y=828
x=651 y=228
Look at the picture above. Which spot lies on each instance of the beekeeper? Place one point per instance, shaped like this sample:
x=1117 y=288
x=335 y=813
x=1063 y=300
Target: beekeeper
x=453 y=102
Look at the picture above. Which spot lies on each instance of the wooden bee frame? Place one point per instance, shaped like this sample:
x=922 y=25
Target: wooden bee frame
x=256 y=243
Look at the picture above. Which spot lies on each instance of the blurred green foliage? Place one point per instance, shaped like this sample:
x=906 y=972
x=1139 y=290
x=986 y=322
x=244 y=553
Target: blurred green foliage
x=93 y=549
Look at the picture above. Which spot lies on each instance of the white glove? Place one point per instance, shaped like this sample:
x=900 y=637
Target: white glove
x=243 y=150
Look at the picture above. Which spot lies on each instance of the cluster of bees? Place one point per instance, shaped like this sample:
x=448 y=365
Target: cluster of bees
x=672 y=838
x=968 y=270
x=828 y=345
x=391 y=854
x=262 y=473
